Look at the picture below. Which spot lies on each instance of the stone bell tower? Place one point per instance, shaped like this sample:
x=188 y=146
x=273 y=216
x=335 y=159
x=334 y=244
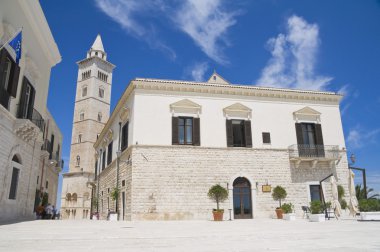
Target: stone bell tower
x=91 y=112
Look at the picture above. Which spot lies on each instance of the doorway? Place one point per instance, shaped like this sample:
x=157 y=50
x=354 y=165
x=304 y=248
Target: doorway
x=242 y=198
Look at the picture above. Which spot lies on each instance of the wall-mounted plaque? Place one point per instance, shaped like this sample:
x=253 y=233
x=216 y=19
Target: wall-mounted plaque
x=267 y=188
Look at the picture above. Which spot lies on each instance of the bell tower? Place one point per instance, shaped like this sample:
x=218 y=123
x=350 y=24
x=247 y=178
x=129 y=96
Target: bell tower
x=91 y=112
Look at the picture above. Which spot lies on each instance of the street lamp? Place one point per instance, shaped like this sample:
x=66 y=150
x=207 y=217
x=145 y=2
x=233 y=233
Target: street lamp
x=353 y=160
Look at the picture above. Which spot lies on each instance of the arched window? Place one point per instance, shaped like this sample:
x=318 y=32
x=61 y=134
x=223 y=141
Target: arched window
x=78 y=160
x=101 y=92
x=84 y=91
x=81 y=116
x=68 y=196
x=75 y=197
x=16 y=159
x=79 y=138
x=99 y=117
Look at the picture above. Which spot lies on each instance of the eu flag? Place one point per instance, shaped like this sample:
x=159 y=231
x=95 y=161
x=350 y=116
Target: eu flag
x=15 y=43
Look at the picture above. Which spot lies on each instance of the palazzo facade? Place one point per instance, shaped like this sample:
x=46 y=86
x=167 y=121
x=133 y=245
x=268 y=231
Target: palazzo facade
x=168 y=141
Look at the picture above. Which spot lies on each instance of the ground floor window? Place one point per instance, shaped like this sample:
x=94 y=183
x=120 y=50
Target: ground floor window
x=14 y=183
x=315 y=192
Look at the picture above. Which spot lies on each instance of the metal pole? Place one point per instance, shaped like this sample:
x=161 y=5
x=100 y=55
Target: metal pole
x=364 y=178
x=97 y=188
x=117 y=173
x=322 y=195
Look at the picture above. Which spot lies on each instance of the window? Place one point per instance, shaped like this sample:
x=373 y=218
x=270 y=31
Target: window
x=84 y=91
x=239 y=133
x=26 y=100
x=81 y=116
x=78 y=161
x=101 y=92
x=14 y=183
x=123 y=183
x=47 y=184
x=124 y=136
x=104 y=160
x=315 y=192
x=310 y=140
x=266 y=137
x=99 y=117
x=109 y=153
x=9 y=76
x=38 y=177
x=108 y=190
x=79 y=138
x=97 y=136
x=185 y=130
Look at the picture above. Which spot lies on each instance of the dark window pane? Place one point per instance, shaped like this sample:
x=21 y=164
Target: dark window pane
x=181 y=132
x=189 y=134
x=238 y=133
x=315 y=193
x=14 y=183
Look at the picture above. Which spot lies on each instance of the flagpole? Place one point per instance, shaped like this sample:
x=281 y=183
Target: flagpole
x=9 y=40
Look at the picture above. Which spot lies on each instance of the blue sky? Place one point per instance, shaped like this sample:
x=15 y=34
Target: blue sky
x=324 y=45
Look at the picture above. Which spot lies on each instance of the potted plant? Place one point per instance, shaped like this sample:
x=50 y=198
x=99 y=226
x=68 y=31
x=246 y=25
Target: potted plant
x=288 y=210
x=218 y=194
x=113 y=216
x=316 y=209
x=279 y=193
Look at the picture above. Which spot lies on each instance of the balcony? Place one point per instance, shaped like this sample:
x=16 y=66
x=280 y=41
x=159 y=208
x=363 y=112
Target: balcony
x=313 y=154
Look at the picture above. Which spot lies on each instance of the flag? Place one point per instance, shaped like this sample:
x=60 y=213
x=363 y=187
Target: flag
x=15 y=43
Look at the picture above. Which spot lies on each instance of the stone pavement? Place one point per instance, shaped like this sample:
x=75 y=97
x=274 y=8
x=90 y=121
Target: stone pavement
x=178 y=236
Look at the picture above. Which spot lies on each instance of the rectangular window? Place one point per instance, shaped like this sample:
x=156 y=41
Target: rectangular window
x=266 y=137
x=84 y=92
x=109 y=153
x=104 y=160
x=9 y=76
x=14 y=183
x=47 y=184
x=26 y=103
x=124 y=136
x=185 y=130
x=315 y=192
x=310 y=140
x=238 y=133
x=101 y=92
x=123 y=183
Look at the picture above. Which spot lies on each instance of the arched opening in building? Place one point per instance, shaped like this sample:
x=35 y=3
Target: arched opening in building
x=242 y=199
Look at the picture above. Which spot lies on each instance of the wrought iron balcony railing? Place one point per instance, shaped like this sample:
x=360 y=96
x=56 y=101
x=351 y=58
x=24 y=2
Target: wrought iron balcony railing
x=35 y=117
x=313 y=151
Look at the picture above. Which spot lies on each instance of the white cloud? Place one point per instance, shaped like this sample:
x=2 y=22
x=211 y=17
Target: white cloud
x=206 y=22
x=198 y=71
x=358 y=137
x=294 y=57
x=127 y=12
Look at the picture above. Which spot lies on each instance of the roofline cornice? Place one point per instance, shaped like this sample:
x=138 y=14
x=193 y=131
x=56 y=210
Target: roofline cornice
x=96 y=58
x=40 y=26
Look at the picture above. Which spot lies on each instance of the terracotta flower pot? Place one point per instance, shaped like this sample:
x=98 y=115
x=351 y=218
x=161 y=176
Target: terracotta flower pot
x=218 y=215
x=279 y=213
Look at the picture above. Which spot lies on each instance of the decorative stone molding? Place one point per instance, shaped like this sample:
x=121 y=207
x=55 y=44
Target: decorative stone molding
x=307 y=114
x=124 y=114
x=237 y=110
x=185 y=106
x=27 y=130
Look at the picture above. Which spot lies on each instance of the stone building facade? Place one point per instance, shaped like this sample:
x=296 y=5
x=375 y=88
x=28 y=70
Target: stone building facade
x=23 y=113
x=91 y=112
x=167 y=142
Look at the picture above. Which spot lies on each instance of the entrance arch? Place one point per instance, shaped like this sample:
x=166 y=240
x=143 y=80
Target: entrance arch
x=242 y=198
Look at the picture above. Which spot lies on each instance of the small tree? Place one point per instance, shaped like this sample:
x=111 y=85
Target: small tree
x=279 y=193
x=218 y=194
x=115 y=194
x=343 y=202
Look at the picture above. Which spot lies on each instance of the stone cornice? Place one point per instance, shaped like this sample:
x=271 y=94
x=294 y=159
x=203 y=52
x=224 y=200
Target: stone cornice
x=37 y=20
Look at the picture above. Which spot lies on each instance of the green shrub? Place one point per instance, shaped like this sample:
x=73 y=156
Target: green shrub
x=279 y=193
x=287 y=208
x=343 y=203
x=218 y=194
x=340 y=192
x=369 y=205
x=115 y=193
x=316 y=207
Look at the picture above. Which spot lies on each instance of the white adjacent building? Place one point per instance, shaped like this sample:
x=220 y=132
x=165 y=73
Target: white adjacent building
x=168 y=141
x=23 y=112
x=91 y=112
